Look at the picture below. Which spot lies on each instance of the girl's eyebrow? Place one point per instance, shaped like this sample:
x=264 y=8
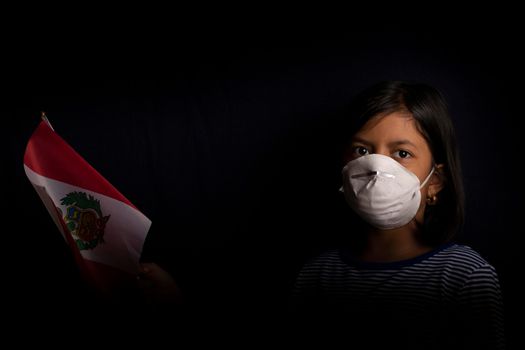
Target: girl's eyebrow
x=390 y=144
x=360 y=140
x=401 y=143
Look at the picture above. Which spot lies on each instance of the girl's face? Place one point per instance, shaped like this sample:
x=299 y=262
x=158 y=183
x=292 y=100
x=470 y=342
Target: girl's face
x=396 y=135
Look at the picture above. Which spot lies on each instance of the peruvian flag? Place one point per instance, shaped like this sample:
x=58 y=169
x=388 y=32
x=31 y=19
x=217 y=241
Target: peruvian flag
x=105 y=231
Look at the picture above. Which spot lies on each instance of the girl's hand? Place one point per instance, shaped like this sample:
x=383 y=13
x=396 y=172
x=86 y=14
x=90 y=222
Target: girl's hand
x=158 y=286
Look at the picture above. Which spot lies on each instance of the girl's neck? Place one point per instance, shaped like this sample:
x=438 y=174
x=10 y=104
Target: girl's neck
x=392 y=245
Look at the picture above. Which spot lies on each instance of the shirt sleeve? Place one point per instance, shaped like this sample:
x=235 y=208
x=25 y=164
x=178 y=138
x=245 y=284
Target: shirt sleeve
x=482 y=309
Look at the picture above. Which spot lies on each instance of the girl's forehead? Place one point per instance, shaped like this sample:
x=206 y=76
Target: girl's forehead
x=396 y=124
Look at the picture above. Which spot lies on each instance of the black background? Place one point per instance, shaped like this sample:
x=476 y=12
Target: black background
x=227 y=139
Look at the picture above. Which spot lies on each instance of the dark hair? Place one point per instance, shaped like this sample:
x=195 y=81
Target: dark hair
x=428 y=107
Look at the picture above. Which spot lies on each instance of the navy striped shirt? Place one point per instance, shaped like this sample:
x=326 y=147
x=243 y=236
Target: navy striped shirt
x=447 y=298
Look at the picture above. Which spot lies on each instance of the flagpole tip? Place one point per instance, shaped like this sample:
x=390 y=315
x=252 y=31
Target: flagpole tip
x=44 y=118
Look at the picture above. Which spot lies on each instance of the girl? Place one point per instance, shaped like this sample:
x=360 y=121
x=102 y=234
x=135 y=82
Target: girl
x=403 y=281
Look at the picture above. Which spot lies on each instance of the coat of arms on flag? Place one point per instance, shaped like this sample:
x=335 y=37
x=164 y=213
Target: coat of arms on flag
x=105 y=231
x=84 y=219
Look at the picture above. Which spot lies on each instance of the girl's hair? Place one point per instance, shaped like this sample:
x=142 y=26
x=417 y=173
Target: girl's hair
x=428 y=107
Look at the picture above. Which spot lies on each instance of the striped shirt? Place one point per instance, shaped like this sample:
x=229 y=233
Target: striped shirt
x=447 y=298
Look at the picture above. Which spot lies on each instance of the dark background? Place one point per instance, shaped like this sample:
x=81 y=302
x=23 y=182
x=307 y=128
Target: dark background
x=228 y=140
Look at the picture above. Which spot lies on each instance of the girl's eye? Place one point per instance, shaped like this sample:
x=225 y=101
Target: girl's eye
x=402 y=154
x=360 y=151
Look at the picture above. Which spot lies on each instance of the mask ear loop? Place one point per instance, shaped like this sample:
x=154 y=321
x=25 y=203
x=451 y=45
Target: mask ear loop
x=428 y=177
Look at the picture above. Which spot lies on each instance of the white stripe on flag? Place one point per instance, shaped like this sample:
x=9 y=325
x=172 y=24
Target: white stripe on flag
x=125 y=231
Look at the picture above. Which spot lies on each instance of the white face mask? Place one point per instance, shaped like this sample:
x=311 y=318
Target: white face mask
x=382 y=191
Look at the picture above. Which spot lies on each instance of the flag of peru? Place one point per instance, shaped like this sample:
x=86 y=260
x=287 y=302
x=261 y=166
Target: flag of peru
x=105 y=231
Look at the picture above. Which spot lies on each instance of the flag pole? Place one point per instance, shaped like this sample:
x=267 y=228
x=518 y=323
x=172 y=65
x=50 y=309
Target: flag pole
x=44 y=118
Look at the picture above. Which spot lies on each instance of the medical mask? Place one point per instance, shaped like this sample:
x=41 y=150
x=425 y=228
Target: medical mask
x=382 y=191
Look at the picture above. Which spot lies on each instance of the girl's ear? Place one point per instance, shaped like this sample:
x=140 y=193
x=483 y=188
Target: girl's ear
x=437 y=181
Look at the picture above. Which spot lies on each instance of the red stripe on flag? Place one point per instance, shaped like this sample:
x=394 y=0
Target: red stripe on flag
x=49 y=155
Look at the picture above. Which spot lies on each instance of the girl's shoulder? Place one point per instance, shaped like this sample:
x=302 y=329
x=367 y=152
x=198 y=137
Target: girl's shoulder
x=456 y=253
x=461 y=259
x=326 y=259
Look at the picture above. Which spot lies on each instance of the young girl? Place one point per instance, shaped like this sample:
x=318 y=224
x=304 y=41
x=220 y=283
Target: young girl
x=402 y=281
